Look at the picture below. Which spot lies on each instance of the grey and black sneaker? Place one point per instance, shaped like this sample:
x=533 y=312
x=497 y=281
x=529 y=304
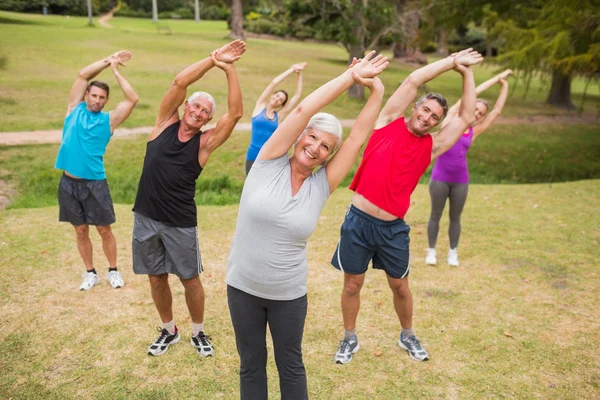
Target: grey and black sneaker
x=203 y=345
x=345 y=350
x=163 y=342
x=414 y=348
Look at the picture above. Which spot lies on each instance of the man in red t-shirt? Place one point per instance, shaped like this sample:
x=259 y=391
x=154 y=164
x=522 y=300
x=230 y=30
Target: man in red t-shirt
x=396 y=156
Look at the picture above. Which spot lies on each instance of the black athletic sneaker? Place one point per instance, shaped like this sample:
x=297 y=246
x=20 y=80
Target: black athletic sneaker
x=203 y=345
x=163 y=342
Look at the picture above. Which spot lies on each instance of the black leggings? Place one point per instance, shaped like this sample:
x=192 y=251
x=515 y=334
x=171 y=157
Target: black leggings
x=250 y=315
x=249 y=165
x=440 y=191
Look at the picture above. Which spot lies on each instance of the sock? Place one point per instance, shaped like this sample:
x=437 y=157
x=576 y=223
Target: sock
x=197 y=328
x=170 y=326
x=407 y=332
x=92 y=270
x=112 y=269
x=349 y=334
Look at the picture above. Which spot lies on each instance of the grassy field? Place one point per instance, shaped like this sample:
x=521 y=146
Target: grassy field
x=517 y=320
x=40 y=57
x=505 y=154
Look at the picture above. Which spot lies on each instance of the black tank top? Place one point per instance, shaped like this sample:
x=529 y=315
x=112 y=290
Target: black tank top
x=168 y=182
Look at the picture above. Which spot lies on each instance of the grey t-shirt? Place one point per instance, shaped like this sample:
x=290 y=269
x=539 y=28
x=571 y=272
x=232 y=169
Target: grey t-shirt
x=268 y=254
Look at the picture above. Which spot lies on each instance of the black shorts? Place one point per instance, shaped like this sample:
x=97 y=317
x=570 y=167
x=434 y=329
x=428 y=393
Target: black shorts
x=364 y=238
x=85 y=202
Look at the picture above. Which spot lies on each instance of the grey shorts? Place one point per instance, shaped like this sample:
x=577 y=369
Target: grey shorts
x=159 y=249
x=364 y=238
x=85 y=202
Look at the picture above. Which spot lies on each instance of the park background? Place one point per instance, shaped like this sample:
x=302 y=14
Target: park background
x=518 y=319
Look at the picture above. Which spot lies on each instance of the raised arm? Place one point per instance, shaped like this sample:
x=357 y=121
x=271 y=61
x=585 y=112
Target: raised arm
x=478 y=90
x=297 y=95
x=342 y=161
x=491 y=116
x=222 y=131
x=124 y=108
x=88 y=73
x=262 y=101
x=404 y=96
x=290 y=129
x=449 y=134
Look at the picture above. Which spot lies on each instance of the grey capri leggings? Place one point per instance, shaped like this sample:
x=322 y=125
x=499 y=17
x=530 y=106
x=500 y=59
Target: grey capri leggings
x=439 y=192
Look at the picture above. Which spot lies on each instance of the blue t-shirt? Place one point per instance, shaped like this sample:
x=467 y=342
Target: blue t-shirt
x=84 y=139
x=262 y=129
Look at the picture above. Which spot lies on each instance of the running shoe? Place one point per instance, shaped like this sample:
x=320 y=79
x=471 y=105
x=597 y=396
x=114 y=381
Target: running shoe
x=90 y=279
x=345 y=350
x=115 y=279
x=203 y=345
x=414 y=348
x=163 y=342
x=430 y=258
x=453 y=258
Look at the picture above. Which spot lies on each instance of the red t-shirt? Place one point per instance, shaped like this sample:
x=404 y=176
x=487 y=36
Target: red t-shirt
x=392 y=165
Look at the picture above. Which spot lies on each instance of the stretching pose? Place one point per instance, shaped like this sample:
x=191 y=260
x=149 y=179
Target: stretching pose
x=165 y=227
x=450 y=175
x=280 y=207
x=270 y=109
x=83 y=194
x=396 y=156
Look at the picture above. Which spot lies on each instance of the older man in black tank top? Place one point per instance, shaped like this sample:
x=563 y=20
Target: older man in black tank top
x=165 y=237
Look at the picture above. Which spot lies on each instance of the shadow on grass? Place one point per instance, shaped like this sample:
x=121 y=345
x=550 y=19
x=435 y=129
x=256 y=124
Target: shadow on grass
x=10 y=21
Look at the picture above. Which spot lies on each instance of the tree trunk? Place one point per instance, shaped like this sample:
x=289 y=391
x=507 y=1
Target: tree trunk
x=237 y=20
x=89 y=7
x=356 y=91
x=488 y=49
x=154 y=11
x=197 y=11
x=442 y=50
x=400 y=50
x=560 y=91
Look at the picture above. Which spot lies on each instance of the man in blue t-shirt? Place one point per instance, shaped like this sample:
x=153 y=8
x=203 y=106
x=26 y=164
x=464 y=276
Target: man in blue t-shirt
x=83 y=195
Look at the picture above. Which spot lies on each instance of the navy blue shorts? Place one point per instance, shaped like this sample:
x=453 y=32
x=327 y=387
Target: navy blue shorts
x=364 y=238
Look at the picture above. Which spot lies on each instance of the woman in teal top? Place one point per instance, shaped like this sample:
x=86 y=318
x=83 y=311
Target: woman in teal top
x=269 y=110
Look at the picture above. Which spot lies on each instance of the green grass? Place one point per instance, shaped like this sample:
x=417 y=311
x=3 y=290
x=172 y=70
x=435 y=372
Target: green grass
x=40 y=57
x=517 y=320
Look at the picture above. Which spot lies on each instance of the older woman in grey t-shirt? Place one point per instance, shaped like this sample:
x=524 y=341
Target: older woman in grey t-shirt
x=279 y=210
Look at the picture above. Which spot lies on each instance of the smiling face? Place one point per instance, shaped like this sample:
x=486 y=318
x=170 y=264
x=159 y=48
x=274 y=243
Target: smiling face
x=278 y=99
x=314 y=147
x=197 y=113
x=480 y=110
x=95 y=99
x=425 y=117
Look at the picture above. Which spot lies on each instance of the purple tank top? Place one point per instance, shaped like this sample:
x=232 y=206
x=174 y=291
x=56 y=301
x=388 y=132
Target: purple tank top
x=452 y=166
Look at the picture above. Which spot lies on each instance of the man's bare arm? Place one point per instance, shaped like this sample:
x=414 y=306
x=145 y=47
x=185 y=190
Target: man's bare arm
x=125 y=107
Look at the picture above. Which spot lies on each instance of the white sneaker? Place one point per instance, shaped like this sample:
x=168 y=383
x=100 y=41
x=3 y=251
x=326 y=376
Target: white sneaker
x=453 y=258
x=90 y=279
x=115 y=279
x=430 y=258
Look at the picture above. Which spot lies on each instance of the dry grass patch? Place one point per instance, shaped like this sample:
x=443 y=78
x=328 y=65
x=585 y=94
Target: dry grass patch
x=518 y=319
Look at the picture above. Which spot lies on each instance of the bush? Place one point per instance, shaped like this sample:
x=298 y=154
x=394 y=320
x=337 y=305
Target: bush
x=264 y=26
x=429 y=47
x=215 y=13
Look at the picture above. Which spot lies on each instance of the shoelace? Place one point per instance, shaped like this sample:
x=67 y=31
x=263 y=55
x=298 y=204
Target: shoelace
x=414 y=343
x=344 y=346
x=163 y=335
x=204 y=339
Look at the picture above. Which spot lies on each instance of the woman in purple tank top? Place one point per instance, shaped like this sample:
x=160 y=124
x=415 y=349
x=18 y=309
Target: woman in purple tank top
x=450 y=175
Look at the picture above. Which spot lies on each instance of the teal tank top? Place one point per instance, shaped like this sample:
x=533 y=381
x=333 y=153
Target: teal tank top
x=84 y=139
x=262 y=129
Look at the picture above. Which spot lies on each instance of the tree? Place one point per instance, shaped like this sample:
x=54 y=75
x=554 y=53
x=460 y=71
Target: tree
x=154 y=11
x=559 y=38
x=90 y=13
x=197 y=11
x=237 y=20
